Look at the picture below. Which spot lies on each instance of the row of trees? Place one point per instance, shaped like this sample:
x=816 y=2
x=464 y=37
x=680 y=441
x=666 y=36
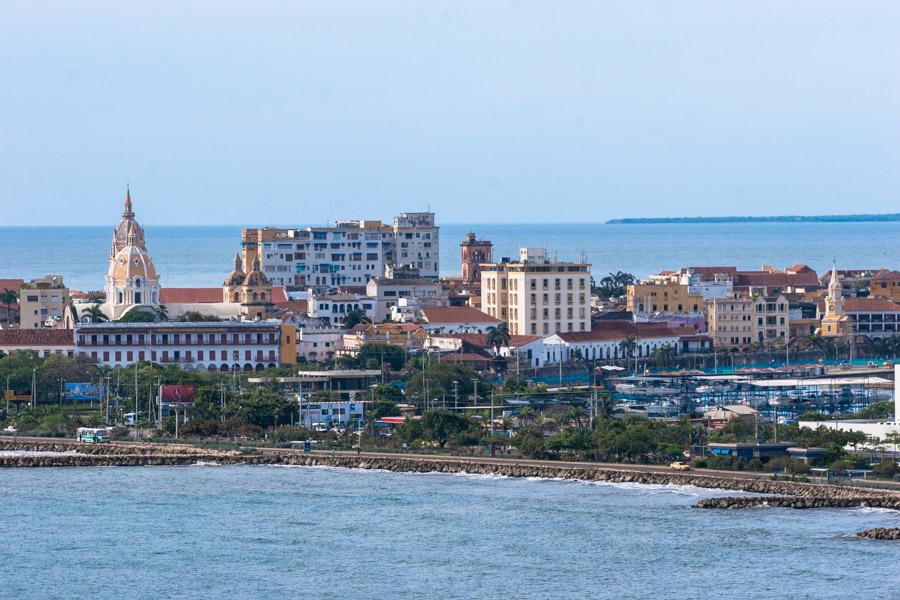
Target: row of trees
x=613 y=285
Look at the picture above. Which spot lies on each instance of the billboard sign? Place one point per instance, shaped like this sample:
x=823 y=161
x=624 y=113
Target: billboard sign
x=13 y=396
x=83 y=391
x=177 y=394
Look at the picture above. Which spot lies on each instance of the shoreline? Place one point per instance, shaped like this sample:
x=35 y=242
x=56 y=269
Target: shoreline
x=59 y=453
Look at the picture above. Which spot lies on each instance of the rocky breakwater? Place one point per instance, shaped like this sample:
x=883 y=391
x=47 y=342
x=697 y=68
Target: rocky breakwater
x=69 y=453
x=811 y=494
x=881 y=533
x=838 y=499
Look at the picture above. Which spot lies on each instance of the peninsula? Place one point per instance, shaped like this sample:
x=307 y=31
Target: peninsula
x=765 y=219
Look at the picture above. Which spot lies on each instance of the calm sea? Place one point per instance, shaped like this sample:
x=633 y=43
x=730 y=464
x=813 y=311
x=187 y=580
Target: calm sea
x=201 y=256
x=282 y=532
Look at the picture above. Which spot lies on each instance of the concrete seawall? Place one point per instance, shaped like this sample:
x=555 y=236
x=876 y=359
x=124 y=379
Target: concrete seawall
x=779 y=493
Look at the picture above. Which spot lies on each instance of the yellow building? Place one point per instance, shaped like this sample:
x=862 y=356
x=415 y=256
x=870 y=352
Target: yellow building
x=287 y=344
x=537 y=296
x=886 y=284
x=43 y=302
x=742 y=321
x=835 y=323
x=647 y=298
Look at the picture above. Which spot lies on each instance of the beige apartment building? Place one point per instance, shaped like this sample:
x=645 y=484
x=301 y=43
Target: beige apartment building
x=43 y=302
x=741 y=321
x=537 y=296
x=666 y=298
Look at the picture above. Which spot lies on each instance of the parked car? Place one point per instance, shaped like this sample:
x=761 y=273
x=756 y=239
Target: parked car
x=680 y=466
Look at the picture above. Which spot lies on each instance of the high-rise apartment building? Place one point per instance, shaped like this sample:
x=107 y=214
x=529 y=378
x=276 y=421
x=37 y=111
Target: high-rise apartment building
x=537 y=296
x=742 y=321
x=350 y=253
x=42 y=302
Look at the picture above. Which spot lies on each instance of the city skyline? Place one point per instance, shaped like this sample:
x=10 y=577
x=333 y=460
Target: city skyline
x=525 y=112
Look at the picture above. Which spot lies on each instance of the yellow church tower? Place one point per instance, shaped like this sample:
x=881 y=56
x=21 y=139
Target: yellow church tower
x=835 y=323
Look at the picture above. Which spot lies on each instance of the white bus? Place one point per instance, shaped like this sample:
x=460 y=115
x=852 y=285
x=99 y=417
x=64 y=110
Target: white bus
x=91 y=434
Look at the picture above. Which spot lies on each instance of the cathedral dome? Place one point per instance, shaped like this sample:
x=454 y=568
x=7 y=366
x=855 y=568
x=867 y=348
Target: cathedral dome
x=256 y=277
x=128 y=228
x=131 y=262
x=237 y=275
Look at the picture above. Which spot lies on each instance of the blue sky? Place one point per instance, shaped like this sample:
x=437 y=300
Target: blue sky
x=301 y=112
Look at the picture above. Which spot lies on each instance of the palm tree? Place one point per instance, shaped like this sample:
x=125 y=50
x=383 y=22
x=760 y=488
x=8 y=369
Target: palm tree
x=664 y=355
x=498 y=336
x=628 y=346
x=355 y=317
x=8 y=298
x=162 y=313
x=95 y=314
x=576 y=413
x=815 y=341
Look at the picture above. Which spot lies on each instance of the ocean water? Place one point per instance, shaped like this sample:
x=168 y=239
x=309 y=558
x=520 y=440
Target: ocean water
x=202 y=256
x=297 y=532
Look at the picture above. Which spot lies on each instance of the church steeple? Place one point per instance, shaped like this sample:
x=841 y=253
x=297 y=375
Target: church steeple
x=129 y=211
x=128 y=231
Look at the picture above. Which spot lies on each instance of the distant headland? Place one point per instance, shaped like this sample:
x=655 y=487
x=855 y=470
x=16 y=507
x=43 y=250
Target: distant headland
x=771 y=219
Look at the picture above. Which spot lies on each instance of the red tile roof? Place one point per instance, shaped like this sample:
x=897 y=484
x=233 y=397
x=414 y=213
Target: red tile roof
x=882 y=275
x=206 y=295
x=870 y=305
x=464 y=357
x=190 y=295
x=763 y=278
x=479 y=340
x=37 y=337
x=12 y=285
x=711 y=272
x=619 y=331
x=460 y=314
x=298 y=306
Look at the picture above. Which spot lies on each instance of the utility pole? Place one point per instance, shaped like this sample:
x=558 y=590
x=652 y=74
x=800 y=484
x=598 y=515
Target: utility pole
x=149 y=408
x=159 y=401
x=492 y=415
x=455 y=395
x=475 y=399
x=34 y=387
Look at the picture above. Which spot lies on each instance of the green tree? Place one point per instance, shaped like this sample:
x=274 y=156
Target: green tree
x=8 y=298
x=442 y=425
x=440 y=377
x=138 y=316
x=628 y=346
x=193 y=316
x=530 y=443
x=94 y=314
x=614 y=285
x=385 y=399
x=498 y=336
x=356 y=317
x=372 y=356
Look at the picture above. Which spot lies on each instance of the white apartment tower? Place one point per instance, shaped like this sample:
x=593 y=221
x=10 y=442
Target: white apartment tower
x=537 y=296
x=350 y=253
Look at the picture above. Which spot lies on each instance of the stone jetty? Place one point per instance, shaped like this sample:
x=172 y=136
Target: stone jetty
x=69 y=453
x=881 y=533
x=840 y=498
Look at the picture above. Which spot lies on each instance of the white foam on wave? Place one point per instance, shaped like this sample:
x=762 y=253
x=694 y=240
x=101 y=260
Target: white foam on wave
x=653 y=488
x=876 y=510
x=206 y=463
x=34 y=453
